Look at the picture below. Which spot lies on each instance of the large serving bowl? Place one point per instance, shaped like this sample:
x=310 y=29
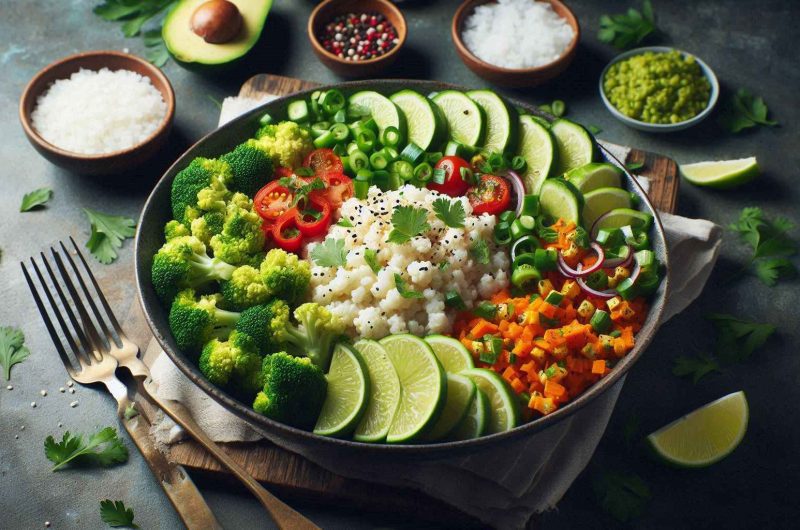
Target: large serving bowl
x=150 y=237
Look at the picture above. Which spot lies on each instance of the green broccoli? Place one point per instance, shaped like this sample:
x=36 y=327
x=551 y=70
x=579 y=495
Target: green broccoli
x=265 y=324
x=314 y=337
x=199 y=174
x=195 y=321
x=294 y=390
x=245 y=288
x=207 y=226
x=242 y=238
x=281 y=275
x=175 y=229
x=251 y=168
x=233 y=364
x=286 y=143
x=183 y=262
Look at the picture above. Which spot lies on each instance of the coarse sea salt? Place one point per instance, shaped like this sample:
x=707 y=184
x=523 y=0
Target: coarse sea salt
x=517 y=33
x=98 y=112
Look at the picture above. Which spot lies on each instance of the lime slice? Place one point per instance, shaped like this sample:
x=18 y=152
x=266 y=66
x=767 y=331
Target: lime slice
x=460 y=395
x=602 y=200
x=477 y=419
x=574 y=143
x=538 y=148
x=464 y=118
x=704 y=436
x=502 y=403
x=560 y=200
x=501 y=121
x=721 y=174
x=384 y=395
x=596 y=175
x=619 y=217
x=348 y=393
x=425 y=126
x=451 y=353
x=383 y=111
x=423 y=386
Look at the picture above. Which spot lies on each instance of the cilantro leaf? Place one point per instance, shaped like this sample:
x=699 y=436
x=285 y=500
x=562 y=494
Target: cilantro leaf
x=35 y=198
x=108 y=233
x=480 y=251
x=115 y=514
x=770 y=243
x=132 y=15
x=12 y=349
x=407 y=222
x=769 y=271
x=330 y=253
x=624 y=496
x=737 y=339
x=104 y=449
x=402 y=288
x=450 y=212
x=371 y=257
x=345 y=223
x=627 y=29
x=156 y=50
x=301 y=189
x=743 y=110
x=695 y=367
x=633 y=166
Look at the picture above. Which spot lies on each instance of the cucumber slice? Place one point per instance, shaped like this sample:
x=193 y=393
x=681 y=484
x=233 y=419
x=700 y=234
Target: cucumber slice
x=383 y=111
x=560 y=200
x=574 y=143
x=426 y=127
x=594 y=176
x=464 y=117
x=602 y=200
x=620 y=217
x=538 y=148
x=298 y=111
x=501 y=121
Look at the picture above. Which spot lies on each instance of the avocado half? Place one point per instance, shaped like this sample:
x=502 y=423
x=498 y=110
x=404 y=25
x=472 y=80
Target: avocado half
x=190 y=50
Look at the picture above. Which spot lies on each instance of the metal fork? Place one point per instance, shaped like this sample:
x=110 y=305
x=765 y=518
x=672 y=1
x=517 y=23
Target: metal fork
x=124 y=352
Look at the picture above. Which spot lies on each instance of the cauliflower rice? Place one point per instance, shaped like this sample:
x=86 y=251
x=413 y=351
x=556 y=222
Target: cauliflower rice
x=370 y=304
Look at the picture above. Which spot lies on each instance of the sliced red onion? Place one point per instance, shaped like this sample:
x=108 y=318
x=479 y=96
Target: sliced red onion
x=577 y=273
x=595 y=226
x=619 y=262
x=608 y=293
x=519 y=188
x=519 y=242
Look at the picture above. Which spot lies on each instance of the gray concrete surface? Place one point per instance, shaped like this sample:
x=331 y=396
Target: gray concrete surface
x=749 y=43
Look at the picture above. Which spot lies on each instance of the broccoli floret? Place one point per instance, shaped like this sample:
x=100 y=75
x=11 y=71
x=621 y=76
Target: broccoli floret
x=281 y=275
x=183 y=262
x=199 y=174
x=294 y=390
x=245 y=288
x=207 y=226
x=266 y=324
x=251 y=168
x=315 y=335
x=214 y=197
x=233 y=364
x=195 y=321
x=286 y=143
x=175 y=229
x=242 y=239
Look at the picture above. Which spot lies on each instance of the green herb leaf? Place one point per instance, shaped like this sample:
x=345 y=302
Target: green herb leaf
x=407 y=222
x=737 y=339
x=133 y=15
x=402 y=288
x=131 y=411
x=12 y=349
x=345 y=223
x=594 y=129
x=450 y=212
x=330 y=253
x=633 y=166
x=770 y=243
x=626 y=30
x=35 y=198
x=371 y=257
x=156 y=51
x=103 y=449
x=743 y=110
x=624 y=496
x=480 y=251
x=695 y=367
x=559 y=108
x=114 y=513
x=108 y=233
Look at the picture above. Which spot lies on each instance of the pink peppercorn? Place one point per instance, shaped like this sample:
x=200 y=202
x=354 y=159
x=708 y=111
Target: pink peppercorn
x=359 y=36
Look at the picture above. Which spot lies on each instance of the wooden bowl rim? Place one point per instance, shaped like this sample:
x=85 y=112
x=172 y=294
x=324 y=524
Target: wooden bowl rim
x=151 y=71
x=467 y=5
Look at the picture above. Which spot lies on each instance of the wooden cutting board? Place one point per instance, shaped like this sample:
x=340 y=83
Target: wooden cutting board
x=291 y=474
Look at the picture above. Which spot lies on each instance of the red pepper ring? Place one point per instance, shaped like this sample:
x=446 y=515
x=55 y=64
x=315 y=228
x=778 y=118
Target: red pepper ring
x=285 y=232
x=315 y=226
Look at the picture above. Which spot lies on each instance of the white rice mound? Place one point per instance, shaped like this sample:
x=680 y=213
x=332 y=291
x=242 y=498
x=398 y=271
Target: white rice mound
x=370 y=304
x=98 y=112
x=516 y=33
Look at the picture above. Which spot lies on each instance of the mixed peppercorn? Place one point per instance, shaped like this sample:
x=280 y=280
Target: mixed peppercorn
x=359 y=37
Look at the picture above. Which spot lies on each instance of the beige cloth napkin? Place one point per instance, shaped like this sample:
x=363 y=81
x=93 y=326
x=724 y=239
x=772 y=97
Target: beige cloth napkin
x=501 y=490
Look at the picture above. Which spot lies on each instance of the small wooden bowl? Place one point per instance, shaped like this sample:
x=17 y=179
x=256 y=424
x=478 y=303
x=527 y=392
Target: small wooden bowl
x=329 y=9
x=107 y=163
x=514 y=77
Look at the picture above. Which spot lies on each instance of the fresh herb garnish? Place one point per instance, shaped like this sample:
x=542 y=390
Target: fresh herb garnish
x=624 y=496
x=114 y=513
x=35 y=198
x=131 y=411
x=156 y=51
x=633 y=166
x=344 y=222
x=627 y=29
x=402 y=288
x=12 y=349
x=557 y=108
x=408 y=222
x=108 y=233
x=594 y=129
x=330 y=253
x=771 y=245
x=480 y=251
x=450 y=212
x=304 y=172
x=104 y=449
x=444 y=265
x=695 y=367
x=133 y=15
x=371 y=257
x=744 y=110
x=299 y=189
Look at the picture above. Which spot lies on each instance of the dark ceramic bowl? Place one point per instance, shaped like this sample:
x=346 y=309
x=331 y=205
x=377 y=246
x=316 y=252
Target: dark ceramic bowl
x=150 y=237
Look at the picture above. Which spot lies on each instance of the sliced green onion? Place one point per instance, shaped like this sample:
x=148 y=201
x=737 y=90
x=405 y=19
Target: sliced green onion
x=496 y=161
x=364 y=174
x=645 y=258
x=527 y=258
x=340 y=131
x=524 y=274
x=485 y=310
x=352 y=146
x=325 y=140
x=439 y=176
x=494 y=344
x=519 y=163
x=554 y=298
x=361 y=188
x=453 y=299
x=380 y=178
x=403 y=169
x=546 y=258
x=390 y=153
x=423 y=172
x=378 y=161
x=394 y=181
x=488 y=357
x=502 y=236
x=412 y=153
x=358 y=160
x=319 y=128
x=527 y=222
x=370 y=124
x=627 y=289
x=340 y=116
x=518 y=229
x=467 y=175
x=333 y=101
x=507 y=217
x=340 y=150
x=346 y=167
x=581 y=237
x=530 y=205
x=597 y=280
x=365 y=139
x=600 y=321
x=391 y=136
x=434 y=157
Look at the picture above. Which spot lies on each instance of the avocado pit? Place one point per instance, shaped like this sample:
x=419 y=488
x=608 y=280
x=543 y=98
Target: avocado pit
x=217 y=21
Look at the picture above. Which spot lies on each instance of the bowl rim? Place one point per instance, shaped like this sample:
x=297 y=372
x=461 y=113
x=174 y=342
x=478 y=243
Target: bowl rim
x=708 y=73
x=402 y=32
x=265 y=424
x=461 y=14
x=27 y=95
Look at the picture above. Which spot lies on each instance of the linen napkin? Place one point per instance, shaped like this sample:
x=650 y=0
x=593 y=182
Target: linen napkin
x=502 y=490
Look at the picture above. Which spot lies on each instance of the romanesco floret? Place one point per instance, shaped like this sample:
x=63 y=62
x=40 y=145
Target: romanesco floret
x=242 y=239
x=251 y=168
x=183 y=262
x=233 y=364
x=286 y=143
x=194 y=321
x=314 y=337
x=294 y=390
x=200 y=173
x=175 y=229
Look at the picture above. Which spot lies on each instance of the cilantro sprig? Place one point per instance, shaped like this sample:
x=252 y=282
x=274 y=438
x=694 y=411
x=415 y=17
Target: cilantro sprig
x=408 y=222
x=371 y=257
x=108 y=233
x=300 y=189
x=627 y=29
x=116 y=514
x=132 y=15
x=12 y=349
x=103 y=449
x=480 y=251
x=402 y=288
x=330 y=253
x=624 y=496
x=36 y=198
x=450 y=212
x=771 y=245
x=743 y=110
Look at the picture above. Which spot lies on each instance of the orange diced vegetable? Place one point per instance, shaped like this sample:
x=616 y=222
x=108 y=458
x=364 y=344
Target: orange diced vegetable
x=599 y=367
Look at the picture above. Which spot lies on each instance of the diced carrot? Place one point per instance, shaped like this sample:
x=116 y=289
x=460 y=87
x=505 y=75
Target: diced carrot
x=509 y=374
x=503 y=326
x=598 y=367
x=619 y=347
x=522 y=348
x=627 y=337
x=517 y=385
x=528 y=367
x=554 y=390
x=500 y=297
x=514 y=331
x=484 y=327
x=548 y=310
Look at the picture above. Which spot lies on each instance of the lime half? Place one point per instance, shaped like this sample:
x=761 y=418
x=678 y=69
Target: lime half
x=560 y=200
x=574 y=143
x=423 y=386
x=502 y=402
x=704 y=436
x=464 y=117
x=384 y=396
x=596 y=175
x=538 y=148
x=477 y=418
x=348 y=393
x=602 y=200
x=721 y=174
x=451 y=353
x=383 y=111
x=460 y=395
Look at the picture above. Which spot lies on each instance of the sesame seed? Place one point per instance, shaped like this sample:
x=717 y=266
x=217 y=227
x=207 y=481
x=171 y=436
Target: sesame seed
x=33 y=404
x=43 y=392
x=73 y=404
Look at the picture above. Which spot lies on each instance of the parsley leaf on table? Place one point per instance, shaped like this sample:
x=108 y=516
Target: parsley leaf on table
x=330 y=253
x=737 y=339
x=104 y=449
x=156 y=51
x=744 y=110
x=624 y=496
x=12 y=349
x=771 y=245
x=35 y=198
x=115 y=514
x=695 y=367
x=450 y=212
x=402 y=288
x=108 y=233
x=480 y=251
x=627 y=29
x=371 y=257
x=408 y=222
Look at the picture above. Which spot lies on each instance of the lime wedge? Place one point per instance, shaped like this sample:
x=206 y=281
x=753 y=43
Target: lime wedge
x=384 y=395
x=619 y=217
x=477 y=419
x=574 y=143
x=538 y=148
x=464 y=117
x=425 y=126
x=423 y=386
x=502 y=402
x=383 y=111
x=348 y=393
x=704 y=436
x=460 y=395
x=721 y=174
x=560 y=200
x=602 y=200
x=451 y=353
x=501 y=121
x=596 y=175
